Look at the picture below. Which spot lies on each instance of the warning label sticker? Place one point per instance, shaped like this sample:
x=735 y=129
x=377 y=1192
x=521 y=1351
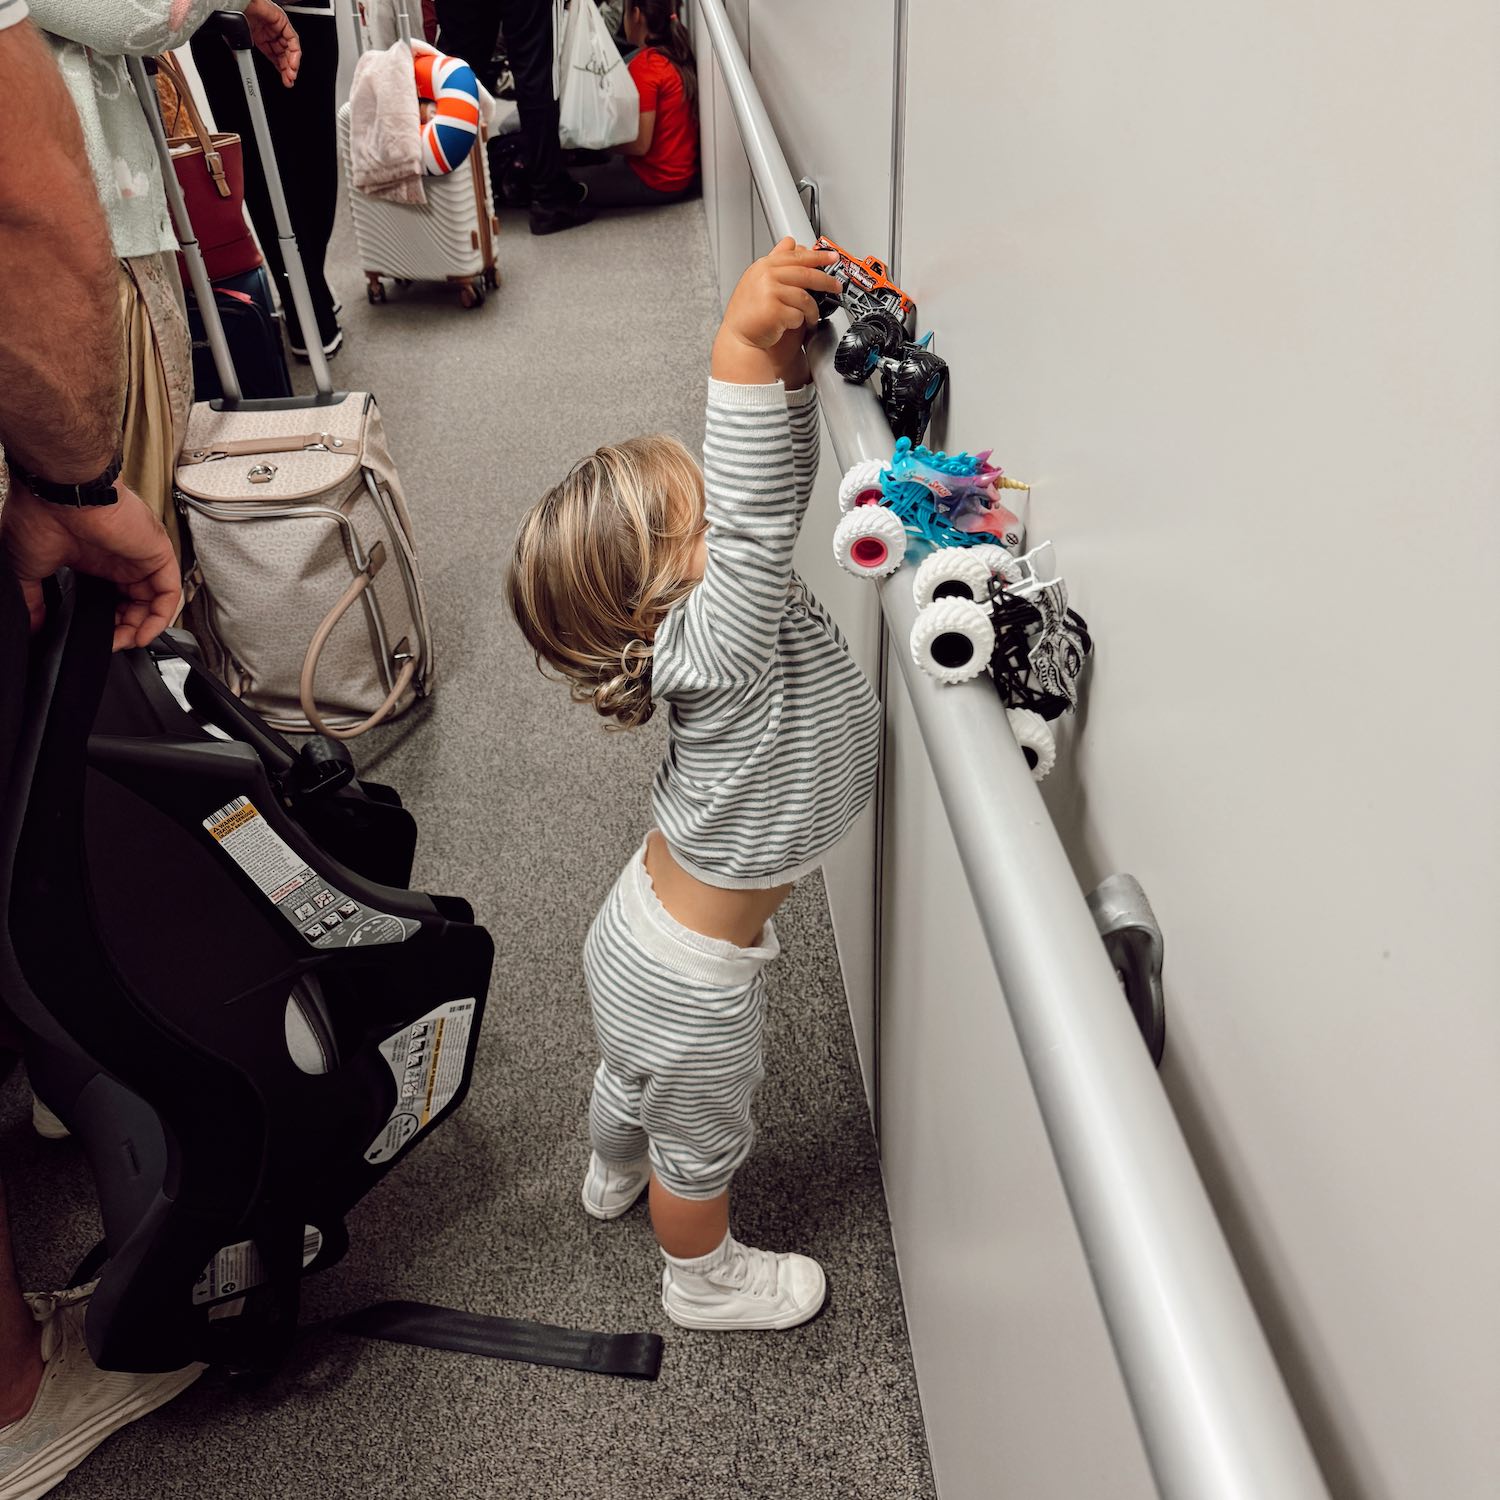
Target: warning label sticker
x=233 y=1269
x=326 y=916
x=238 y=1267
x=427 y=1061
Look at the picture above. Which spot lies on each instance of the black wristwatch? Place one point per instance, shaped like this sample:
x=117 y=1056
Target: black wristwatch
x=98 y=491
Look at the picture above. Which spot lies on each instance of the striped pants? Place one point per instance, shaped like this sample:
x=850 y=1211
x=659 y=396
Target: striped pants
x=679 y=1018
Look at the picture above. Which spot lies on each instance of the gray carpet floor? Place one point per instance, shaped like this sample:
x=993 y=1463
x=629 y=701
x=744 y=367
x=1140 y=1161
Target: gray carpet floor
x=528 y=808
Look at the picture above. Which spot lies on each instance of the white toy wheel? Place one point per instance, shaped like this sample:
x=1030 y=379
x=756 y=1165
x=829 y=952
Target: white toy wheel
x=952 y=573
x=870 y=541
x=861 y=485
x=995 y=557
x=1034 y=735
x=953 y=640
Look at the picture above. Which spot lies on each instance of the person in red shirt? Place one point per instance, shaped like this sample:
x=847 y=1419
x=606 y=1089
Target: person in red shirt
x=661 y=164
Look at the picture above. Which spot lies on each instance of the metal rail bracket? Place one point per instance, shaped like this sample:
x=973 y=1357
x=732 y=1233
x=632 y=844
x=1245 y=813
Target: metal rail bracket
x=814 y=213
x=1133 y=940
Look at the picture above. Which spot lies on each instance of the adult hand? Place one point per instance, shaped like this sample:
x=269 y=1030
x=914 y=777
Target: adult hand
x=276 y=38
x=122 y=542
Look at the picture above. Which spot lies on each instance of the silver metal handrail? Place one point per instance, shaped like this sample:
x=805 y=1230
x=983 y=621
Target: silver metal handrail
x=1213 y=1411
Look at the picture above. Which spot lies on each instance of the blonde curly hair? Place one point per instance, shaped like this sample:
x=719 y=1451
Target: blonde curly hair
x=599 y=561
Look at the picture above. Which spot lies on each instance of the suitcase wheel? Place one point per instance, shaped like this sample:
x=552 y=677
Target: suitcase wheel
x=471 y=293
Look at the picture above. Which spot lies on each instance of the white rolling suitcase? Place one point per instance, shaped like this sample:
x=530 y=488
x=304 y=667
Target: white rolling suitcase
x=304 y=593
x=450 y=238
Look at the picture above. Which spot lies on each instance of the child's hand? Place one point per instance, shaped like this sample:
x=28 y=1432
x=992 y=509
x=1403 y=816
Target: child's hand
x=772 y=307
x=774 y=294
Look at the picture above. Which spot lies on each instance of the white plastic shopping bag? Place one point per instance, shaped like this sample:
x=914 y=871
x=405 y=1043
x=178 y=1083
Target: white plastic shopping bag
x=596 y=95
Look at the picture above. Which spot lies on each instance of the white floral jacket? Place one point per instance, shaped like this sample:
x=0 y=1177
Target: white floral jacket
x=92 y=39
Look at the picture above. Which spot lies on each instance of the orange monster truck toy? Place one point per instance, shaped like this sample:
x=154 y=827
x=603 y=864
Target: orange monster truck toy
x=882 y=321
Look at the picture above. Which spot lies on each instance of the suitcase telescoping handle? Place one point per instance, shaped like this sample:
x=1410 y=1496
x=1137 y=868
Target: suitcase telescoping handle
x=192 y=253
x=403 y=23
x=236 y=32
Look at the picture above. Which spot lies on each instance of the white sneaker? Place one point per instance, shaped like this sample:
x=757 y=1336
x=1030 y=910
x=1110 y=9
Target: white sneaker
x=77 y=1406
x=610 y=1190
x=750 y=1289
x=45 y=1123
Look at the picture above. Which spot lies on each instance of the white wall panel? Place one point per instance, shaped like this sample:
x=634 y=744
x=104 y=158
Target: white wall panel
x=850 y=874
x=1019 y=1386
x=726 y=186
x=816 y=74
x=1020 y=1391
x=825 y=73
x=710 y=89
x=1223 y=285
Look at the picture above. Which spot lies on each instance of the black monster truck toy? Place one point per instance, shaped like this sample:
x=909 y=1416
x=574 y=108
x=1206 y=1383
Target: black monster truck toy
x=980 y=607
x=882 y=319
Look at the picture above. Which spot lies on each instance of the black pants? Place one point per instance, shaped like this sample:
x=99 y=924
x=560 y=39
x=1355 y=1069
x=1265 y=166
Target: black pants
x=15 y=639
x=302 y=130
x=612 y=184
x=468 y=29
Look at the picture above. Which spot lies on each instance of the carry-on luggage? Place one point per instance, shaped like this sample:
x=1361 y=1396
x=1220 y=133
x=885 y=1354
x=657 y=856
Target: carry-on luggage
x=510 y=169
x=253 y=334
x=305 y=593
x=450 y=238
x=210 y=169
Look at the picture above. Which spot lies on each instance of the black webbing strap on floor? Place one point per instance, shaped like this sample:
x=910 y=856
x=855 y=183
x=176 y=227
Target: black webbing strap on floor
x=637 y=1356
x=89 y=1267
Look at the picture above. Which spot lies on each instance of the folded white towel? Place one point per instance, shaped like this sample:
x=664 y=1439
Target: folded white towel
x=385 y=128
x=382 y=29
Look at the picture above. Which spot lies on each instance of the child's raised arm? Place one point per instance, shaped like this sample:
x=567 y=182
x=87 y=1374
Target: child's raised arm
x=760 y=339
x=776 y=293
x=725 y=631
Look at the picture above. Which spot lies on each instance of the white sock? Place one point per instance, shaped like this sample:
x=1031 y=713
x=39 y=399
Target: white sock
x=632 y=1165
x=703 y=1265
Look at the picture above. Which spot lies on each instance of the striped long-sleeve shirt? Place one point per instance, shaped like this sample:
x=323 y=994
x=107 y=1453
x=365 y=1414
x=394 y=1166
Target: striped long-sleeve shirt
x=773 y=730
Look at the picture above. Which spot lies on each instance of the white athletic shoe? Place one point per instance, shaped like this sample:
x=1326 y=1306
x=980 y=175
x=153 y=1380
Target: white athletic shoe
x=45 y=1123
x=610 y=1190
x=77 y=1406
x=751 y=1289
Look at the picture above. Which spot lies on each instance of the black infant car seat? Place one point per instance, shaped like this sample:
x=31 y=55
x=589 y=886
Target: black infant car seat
x=231 y=1000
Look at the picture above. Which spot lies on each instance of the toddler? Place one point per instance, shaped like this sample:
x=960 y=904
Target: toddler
x=645 y=582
